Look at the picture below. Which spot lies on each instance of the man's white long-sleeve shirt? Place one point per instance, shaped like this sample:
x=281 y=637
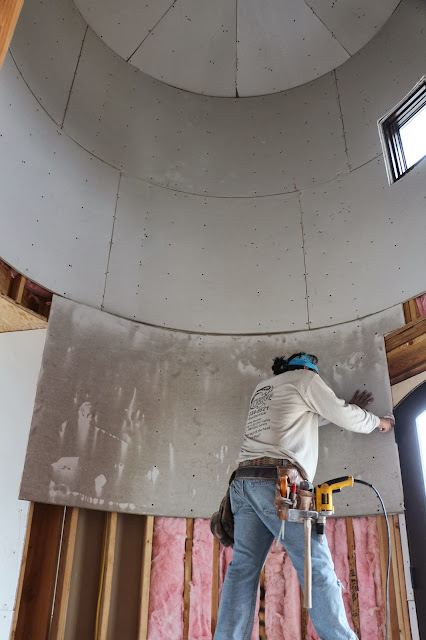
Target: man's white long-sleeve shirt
x=284 y=416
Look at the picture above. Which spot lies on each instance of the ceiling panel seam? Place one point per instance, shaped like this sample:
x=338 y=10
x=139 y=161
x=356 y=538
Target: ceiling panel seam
x=74 y=76
x=112 y=239
x=150 y=31
x=32 y=92
x=304 y=259
x=236 y=48
x=328 y=29
x=342 y=121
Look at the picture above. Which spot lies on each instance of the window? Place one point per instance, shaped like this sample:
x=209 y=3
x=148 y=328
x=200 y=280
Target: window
x=403 y=133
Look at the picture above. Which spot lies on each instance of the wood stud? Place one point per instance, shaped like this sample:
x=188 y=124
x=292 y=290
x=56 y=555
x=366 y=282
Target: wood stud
x=145 y=578
x=60 y=609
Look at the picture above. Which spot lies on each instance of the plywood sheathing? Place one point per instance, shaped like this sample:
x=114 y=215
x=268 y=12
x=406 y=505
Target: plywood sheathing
x=13 y=317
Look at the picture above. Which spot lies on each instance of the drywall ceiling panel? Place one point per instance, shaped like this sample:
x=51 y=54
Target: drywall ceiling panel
x=286 y=40
x=57 y=201
x=193 y=47
x=139 y=419
x=379 y=76
x=353 y=24
x=364 y=243
x=123 y=25
x=20 y=361
x=199 y=144
x=46 y=46
x=227 y=265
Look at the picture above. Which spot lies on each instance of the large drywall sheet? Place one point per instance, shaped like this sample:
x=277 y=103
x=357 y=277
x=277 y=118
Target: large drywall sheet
x=135 y=418
x=20 y=360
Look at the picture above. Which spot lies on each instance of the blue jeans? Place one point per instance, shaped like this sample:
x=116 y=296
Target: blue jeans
x=256 y=525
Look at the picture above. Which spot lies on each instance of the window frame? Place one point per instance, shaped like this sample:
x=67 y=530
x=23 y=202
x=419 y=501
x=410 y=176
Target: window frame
x=389 y=130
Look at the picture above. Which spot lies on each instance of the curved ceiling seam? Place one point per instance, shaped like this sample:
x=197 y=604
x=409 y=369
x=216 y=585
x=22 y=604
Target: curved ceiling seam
x=247 y=334
x=62 y=128
x=328 y=29
x=150 y=32
x=74 y=77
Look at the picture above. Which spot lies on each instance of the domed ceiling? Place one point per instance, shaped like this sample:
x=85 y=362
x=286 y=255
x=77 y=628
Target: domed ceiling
x=236 y=47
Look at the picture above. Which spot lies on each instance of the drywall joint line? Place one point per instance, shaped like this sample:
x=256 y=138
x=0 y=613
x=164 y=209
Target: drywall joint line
x=235 y=334
x=236 y=48
x=74 y=77
x=112 y=240
x=342 y=121
x=304 y=260
x=328 y=29
x=150 y=31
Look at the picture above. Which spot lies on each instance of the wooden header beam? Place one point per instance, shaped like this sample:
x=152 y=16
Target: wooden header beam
x=9 y=14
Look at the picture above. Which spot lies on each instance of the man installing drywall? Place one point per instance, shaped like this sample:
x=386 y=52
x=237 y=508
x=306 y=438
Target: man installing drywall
x=282 y=430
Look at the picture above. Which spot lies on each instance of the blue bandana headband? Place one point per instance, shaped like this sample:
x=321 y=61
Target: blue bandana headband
x=304 y=361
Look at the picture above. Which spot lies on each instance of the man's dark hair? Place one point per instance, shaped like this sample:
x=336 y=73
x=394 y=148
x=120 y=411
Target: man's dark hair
x=281 y=364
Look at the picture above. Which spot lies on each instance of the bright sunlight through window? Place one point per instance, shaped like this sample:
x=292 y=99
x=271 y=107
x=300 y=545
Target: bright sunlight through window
x=403 y=133
x=421 y=434
x=413 y=136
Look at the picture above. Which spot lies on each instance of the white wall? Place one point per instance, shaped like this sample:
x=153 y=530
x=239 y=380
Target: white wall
x=20 y=360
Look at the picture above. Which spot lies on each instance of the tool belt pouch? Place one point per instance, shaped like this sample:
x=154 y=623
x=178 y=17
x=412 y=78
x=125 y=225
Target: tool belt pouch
x=222 y=521
x=287 y=477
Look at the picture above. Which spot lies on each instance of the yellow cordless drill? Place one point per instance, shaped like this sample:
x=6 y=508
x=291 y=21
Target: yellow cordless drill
x=324 y=499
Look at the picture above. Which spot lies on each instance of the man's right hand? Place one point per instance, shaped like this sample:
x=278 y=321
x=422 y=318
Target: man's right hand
x=386 y=424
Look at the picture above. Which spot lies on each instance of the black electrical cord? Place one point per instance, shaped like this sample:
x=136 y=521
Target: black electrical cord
x=367 y=484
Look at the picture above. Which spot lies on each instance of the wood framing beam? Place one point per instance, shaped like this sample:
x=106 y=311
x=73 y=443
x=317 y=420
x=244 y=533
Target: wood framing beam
x=38 y=573
x=188 y=575
x=107 y=572
x=215 y=584
x=406 y=350
x=57 y=631
x=145 y=578
x=9 y=14
x=17 y=288
x=353 y=577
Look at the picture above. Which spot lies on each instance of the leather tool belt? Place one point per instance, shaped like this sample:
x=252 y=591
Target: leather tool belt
x=288 y=493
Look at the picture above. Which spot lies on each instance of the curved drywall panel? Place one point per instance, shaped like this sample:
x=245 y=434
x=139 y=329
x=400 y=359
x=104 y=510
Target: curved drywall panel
x=192 y=143
x=379 y=76
x=135 y=418
x=363 y=242
x=214 y=146
x=63 y=199
x=57 y=201
x=207 y=264
x=278 y=43
x=47 y=43
x=203 y=145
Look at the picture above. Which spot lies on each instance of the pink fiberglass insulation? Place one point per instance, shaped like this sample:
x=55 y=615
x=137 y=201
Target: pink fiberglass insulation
x=421 y=304
x=225 y=558
x=338 y=544
x=371 y=605
x=165 y=614
x=201 y=583
x=282 y=597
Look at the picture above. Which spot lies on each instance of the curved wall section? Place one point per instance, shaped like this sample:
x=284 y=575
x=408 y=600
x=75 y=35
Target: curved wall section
x=217 y=215
x=57 y=201
x=143 y=419
x=228 y=265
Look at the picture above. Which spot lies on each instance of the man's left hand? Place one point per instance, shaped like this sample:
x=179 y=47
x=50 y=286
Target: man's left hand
x=361 y=398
